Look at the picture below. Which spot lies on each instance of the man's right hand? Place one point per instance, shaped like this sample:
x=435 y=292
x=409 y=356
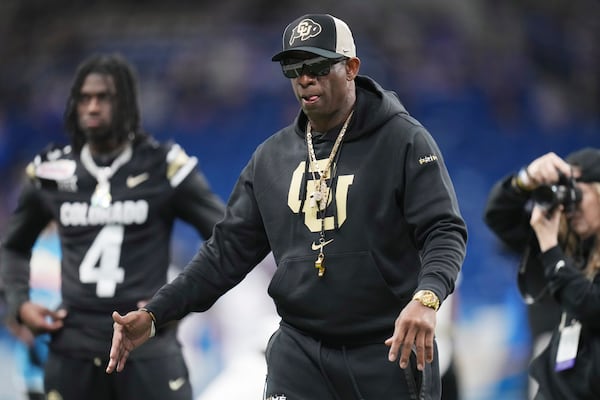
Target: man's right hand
x=130 y=331
x=545 y=170
x=20 y=331
x=39 y=319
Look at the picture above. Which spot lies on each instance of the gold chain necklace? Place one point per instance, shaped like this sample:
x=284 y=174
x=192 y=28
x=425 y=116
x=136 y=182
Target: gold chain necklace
x=102 y=197
x=320 y=196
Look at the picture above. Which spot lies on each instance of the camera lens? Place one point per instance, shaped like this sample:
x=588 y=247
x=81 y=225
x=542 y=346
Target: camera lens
x=550 y=197
x=546 y=197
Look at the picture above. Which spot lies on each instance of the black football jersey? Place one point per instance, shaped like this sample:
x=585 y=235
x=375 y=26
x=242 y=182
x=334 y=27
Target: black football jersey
x=115 y=254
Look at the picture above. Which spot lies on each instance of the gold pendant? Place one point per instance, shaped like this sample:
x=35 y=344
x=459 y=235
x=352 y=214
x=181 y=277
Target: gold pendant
x=323 y=196
x=319 y=265
x=315 y=198
x=102 y=197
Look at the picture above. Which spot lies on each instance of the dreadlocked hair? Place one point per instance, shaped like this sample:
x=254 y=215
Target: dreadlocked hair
x=572 y=243
x=126 y=114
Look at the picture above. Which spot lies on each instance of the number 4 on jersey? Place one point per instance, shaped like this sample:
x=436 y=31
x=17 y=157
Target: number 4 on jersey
x=101 y=262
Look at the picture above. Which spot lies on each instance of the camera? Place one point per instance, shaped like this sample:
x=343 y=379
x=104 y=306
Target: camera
x=564 y=193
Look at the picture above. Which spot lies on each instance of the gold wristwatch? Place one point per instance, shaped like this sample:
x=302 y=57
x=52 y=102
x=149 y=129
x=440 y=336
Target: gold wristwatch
x=427 y=298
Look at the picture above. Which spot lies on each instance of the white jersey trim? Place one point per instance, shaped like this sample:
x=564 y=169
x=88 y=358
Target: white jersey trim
x=183 y=172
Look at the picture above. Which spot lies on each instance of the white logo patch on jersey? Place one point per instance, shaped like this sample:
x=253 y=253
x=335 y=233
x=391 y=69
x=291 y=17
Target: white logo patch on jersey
x=58 y=170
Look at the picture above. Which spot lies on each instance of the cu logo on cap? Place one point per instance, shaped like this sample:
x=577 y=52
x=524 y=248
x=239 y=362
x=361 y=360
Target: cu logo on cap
x=306 y=29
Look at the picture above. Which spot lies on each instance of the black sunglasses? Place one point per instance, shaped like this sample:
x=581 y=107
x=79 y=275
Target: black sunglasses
x=318 y=66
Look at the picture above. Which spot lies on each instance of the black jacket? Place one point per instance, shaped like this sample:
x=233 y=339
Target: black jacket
x=580 y=299
x=507 y=214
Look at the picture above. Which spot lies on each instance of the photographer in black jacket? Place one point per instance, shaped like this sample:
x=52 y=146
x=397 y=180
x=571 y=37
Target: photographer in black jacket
x=560 y=200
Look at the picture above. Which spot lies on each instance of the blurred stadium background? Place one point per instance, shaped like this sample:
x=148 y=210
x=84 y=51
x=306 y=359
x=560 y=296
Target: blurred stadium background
x=496 y=83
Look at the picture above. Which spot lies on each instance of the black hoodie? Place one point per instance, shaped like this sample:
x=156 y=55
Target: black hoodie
x=392 y=226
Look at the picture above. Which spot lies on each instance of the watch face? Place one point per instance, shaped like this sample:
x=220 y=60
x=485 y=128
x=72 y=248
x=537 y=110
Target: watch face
x=428 y=299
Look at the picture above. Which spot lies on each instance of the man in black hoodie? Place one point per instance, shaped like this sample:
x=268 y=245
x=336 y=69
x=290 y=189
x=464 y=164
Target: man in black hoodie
x=356 y=204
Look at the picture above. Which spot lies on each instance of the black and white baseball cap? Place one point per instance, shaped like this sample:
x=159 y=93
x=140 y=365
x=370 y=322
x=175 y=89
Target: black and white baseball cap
x=321 y=34
x=588 y=161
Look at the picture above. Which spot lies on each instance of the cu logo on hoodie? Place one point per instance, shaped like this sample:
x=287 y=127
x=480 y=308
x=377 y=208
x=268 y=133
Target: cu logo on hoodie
x=311 y=217
x=306 y=29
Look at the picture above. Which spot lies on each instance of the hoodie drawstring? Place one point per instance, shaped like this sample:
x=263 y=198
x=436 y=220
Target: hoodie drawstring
x=348 y=369
x=351 y=374
x=325 y=376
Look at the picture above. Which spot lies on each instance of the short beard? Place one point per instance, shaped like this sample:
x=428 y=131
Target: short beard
x=98 y=135
x=103 y=138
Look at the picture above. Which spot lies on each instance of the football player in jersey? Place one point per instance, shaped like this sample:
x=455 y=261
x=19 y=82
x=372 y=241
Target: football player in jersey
x=354 y=200
x=115 y=194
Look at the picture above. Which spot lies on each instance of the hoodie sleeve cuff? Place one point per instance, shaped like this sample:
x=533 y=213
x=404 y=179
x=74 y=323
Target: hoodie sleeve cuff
x=14 y=301
x=552 y=260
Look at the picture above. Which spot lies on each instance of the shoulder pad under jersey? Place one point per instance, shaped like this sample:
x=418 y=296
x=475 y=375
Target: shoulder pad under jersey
x=52 y=164
x=179 y=164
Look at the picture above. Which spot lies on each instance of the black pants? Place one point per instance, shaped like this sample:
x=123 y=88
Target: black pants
x=163 y=378
x=450 y=383
x=300 y=367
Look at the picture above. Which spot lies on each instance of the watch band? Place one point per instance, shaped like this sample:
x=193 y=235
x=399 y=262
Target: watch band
x=153 y=326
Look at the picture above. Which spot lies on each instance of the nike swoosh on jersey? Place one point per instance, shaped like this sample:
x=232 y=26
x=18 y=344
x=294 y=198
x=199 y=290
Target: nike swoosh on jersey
x=176 y=384
x=133 y=181
x=316 y=246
